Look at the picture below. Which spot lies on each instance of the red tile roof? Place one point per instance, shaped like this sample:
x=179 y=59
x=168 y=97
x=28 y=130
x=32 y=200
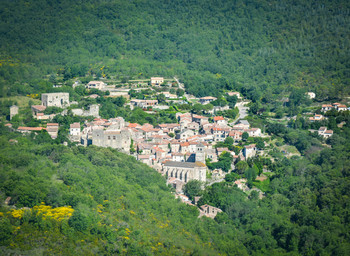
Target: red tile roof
x=218 y=118
x=22 y=128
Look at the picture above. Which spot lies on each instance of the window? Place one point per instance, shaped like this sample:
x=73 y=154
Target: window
x=113 y=137
x=109 y=137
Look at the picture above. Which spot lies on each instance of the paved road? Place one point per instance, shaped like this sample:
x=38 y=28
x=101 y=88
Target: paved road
x=182 y=86
x=243 y=110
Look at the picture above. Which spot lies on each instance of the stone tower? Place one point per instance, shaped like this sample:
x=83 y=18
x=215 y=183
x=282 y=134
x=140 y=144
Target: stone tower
x=13 y=111
x=200 y=153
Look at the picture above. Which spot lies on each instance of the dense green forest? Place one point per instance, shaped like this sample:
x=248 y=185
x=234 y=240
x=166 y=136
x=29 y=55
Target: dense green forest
x=251 y=46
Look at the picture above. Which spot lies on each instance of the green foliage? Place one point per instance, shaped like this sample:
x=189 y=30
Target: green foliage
x=245 y=136
x=224 y=163
x=209 y=52
x=241 y=166
x=193 y=188
x=229 y=141
x=52 y=110
x=231 y=177
x=250 y=175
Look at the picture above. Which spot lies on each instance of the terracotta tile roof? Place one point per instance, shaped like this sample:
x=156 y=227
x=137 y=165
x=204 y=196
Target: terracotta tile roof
x=199 y=117
x=250 y=146
x=133 y=125
x=158 y=149
x=222 y=149
x=22 y=128
x=208 y=98
x=38 y=107
x=218 y=118
x=75 y=125
x=233 y=133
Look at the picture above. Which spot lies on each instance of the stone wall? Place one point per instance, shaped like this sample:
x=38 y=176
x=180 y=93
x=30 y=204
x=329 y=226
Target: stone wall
x=93 y=111
x=60 y=99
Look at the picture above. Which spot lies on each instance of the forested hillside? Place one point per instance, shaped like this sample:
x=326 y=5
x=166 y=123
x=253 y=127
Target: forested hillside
x=89 y=201
x=251 y=46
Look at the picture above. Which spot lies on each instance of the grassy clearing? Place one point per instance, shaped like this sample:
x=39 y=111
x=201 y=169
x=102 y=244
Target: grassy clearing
x=22 y=101
x=264 y=186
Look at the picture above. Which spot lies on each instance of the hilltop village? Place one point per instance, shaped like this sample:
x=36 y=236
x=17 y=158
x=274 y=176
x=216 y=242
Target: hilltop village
x=195 y=147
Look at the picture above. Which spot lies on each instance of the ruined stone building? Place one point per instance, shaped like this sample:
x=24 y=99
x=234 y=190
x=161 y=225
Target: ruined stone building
x=60 y=99
x=13 y=111
x=93 y=111
x=209 y=211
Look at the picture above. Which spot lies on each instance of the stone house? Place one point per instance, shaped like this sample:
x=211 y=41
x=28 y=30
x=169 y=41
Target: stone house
x=254 y=132
x=175 y=146
x=326 y=107
x=220 y=133
x=36 y=109
x=201 y=120
x=220 y=120
x=236 y=135
x=143 y=103
x=146 y=159
x=99 y=85
x=176 y=184
x=316 y=117
x=185 y=147
x=185 y=134
x=169 y=128
x=118 y=139
x=157 y=81
x=52 y=129
x=219 y=151
x=178 y=157
x=324 y=132
x=74 y=129
x=342 y=108
x=144 y=148
x=192 y=146
x=193 y=126
x=212 y=155
x=184 y=123
x=249 y=151
x=206 y=100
